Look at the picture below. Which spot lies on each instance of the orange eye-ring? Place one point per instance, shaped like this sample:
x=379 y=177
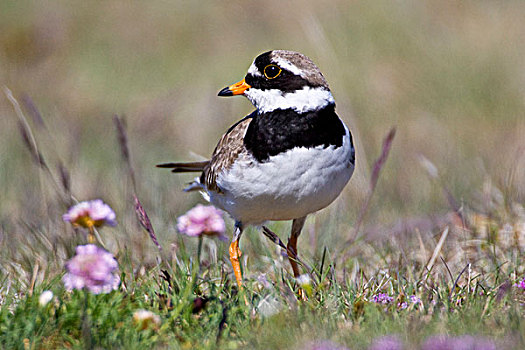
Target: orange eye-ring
x=272 y=71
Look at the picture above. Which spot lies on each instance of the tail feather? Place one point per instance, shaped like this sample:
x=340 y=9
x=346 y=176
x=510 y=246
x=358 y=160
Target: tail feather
x=184 y=167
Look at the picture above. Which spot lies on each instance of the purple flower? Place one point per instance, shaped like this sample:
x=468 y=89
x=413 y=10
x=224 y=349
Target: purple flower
x=412 y=299
x=465 y=342
x=202 y=220
x=93 y=268
x=520 y=284
x=382 y=298
x=90 y=214
x=388 y=342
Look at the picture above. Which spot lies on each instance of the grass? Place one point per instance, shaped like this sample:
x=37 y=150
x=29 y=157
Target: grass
x=445 y=221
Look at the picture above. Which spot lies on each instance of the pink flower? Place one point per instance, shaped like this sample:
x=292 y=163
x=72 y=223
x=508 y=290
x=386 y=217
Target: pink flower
x=521 y=284
x=93 y=268
x=414 y=299
x=388 y=342
x=202 y=220
x=90 y=214
x=465 y=342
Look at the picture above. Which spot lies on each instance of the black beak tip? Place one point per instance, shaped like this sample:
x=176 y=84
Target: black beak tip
x=225 y=92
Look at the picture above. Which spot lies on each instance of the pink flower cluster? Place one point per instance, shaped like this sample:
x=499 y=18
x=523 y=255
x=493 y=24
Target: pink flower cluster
x=413 y=299
x=202 y=220
x=93 y=268
x=91 y=213
x=520 y=284
x=382 y=298
x=385 y=299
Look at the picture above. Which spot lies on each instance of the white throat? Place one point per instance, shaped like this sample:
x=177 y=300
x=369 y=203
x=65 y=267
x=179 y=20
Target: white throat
x=304 y=100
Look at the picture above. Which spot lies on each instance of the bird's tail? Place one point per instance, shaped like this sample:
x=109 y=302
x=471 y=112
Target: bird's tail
x=184 y=167
x=195 y=185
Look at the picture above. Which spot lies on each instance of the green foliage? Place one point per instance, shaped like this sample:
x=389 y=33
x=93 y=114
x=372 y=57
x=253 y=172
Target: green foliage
x=335 y=310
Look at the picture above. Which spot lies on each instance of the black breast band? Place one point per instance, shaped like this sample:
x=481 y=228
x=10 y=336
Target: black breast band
x=280 y=130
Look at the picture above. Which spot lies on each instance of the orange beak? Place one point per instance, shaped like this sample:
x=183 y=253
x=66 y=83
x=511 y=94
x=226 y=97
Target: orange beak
x=235 y=89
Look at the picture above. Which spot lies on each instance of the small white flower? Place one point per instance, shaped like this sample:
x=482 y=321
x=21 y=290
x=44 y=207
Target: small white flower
x=144 y=319
x=304 y=280
x=45 y=297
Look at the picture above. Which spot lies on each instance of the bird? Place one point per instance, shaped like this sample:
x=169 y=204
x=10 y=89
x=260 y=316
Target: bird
x=291 y=157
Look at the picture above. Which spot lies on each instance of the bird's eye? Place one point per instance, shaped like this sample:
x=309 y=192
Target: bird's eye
x=272 y=71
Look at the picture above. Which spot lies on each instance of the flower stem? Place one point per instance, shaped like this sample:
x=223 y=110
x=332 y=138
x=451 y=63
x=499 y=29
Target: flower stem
x=94 y=237
x=86 y=324
x=199 y=251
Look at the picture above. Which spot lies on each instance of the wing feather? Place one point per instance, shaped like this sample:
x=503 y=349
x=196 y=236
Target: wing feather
x=230 y=147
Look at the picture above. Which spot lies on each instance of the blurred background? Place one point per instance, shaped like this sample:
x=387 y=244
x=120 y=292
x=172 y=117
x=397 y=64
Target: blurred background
x=449 y=75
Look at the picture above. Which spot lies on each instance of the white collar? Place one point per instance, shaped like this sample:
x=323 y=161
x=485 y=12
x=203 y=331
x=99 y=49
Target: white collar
x=305 y=100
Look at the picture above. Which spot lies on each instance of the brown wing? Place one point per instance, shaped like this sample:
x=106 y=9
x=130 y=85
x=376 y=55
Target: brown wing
x=229 y=148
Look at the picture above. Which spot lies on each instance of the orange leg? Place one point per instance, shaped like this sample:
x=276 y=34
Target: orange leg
x=235 y=254
x=291 y=247
x=291 y=250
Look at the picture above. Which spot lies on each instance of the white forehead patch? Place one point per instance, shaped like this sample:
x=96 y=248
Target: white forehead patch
x=254 y=71
x=285 y=64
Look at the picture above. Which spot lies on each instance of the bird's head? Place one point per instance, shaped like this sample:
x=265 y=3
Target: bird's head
x=282 y=79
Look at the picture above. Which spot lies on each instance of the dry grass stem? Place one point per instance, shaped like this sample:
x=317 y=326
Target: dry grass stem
x=378 y=165
x=437 y=250
x=123 y=143
x=146 y=222
x=33 y=111
x=275 y=239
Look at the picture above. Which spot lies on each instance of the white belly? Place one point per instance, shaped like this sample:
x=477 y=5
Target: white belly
x=288 y=186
